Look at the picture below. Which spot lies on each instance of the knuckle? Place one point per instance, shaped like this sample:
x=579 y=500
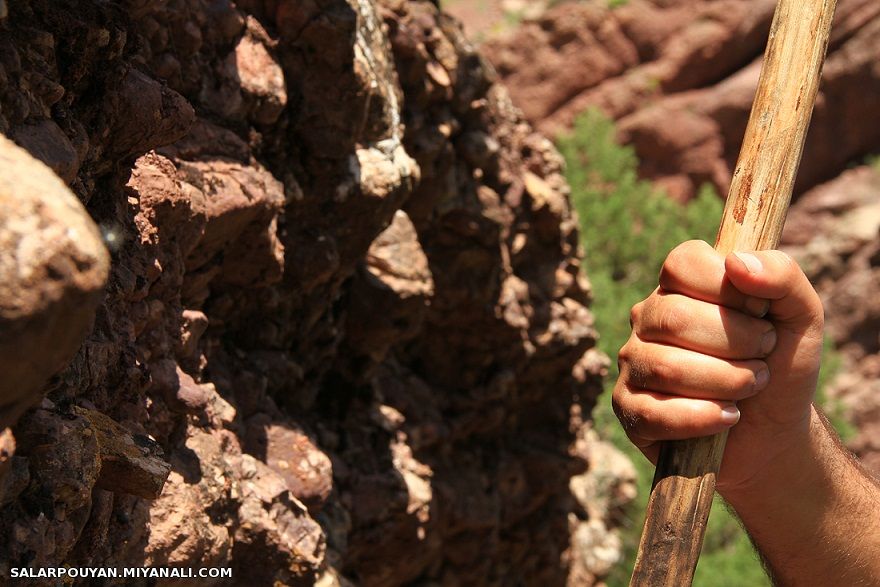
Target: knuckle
x=637 y=375
x=784 y=267
x=690 y=248
x=787 y=263
x=817 y=327
x=677 y=262
x=618 y=404
x=617 y=399
x=784 y=258
x=624 y=355
x=789 y=272
x=671 y=270
x=635 y=314
x=652 y=420
x=621 y=403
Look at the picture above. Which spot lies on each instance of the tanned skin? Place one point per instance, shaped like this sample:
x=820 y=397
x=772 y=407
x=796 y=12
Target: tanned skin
x=735 y=343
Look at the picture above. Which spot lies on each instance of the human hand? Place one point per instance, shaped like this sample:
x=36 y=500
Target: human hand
x=724 y=342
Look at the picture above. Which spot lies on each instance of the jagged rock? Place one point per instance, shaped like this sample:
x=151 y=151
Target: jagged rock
x=144 y=114
x=64 y=465
x=46 y=141
x=51 y=277
x=7 y=449
x=179 y=390
x=187 y=522
x=15 y=479
x=129 y=463
x=307 y=472
x=336 y=246
x=273 y=522
x=262 y=80
x=680 y=78
x=390 y=294
x=228 y=506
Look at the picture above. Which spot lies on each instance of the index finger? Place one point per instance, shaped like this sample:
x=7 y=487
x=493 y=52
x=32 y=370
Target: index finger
x=696 y=270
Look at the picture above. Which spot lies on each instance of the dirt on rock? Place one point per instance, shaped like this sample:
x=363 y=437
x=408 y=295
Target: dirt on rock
x=345 y=337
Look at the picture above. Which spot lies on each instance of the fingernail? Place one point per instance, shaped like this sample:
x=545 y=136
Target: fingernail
x=752 y=263
x=768 y=341
x=757 y=307
x=730 y=414
x=762 y=378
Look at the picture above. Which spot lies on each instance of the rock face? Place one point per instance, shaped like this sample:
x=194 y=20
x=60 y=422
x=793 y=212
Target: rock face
x=52 y=274
x=680 y=77
x=345 y=315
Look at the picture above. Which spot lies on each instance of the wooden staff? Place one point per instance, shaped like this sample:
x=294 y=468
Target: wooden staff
x=760 y=192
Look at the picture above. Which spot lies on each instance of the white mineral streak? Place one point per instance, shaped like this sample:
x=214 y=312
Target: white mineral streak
x=389 y=164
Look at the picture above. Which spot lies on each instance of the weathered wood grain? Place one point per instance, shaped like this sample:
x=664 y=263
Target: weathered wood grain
x=753 y=217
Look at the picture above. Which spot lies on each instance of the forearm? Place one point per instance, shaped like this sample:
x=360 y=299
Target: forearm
x=815 y=514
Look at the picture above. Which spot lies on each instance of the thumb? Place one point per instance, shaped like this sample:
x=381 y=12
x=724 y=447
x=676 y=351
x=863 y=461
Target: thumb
x=775 y=276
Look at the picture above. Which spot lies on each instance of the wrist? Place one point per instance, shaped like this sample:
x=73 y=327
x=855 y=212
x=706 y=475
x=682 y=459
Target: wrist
x=806 y=511
x=795 y=498
x=796 y=470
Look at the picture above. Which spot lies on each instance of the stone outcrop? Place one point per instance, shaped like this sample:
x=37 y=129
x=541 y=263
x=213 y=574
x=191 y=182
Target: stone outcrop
x=680 y=77
x=345 y=336
x=52 y=275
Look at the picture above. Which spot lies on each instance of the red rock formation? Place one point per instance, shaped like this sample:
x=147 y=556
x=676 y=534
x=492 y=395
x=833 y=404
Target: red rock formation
x=680 y=77
x=345 y=302
x=52 y=276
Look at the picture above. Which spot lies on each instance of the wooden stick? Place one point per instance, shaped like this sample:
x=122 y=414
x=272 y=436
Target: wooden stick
x=684 y=482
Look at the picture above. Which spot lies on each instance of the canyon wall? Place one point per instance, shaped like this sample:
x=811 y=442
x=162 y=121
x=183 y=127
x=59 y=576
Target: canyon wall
x=345 y=335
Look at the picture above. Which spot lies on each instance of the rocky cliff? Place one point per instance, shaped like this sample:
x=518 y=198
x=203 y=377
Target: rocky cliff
x=680 y=76
x=344 y=338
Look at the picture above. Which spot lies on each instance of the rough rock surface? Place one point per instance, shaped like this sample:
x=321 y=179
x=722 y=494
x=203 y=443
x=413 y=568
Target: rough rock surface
x=52 y=273
x=345 y=303
x=680 y=77
x=834 y=232
x=7 y=450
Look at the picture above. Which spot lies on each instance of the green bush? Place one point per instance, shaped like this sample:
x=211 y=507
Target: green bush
x=627 y=230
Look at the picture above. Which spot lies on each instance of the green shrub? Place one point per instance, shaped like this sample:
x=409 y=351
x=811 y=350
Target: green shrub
x=627 y=230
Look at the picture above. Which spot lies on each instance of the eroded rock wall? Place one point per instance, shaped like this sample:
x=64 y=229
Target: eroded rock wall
x=680 y=76
x=345 y=303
